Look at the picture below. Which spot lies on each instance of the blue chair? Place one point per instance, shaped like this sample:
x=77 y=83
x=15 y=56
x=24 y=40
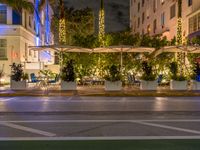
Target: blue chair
x=160 y=78
x=34 y=78
x=57 y=78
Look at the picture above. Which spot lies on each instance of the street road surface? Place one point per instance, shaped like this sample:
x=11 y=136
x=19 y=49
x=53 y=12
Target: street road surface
x=71 y=118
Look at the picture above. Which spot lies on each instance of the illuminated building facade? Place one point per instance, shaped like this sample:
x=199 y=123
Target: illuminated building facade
x=156 y=17
x=18 y=31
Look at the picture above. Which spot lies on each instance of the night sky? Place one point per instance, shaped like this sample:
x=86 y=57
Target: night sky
x=117 y=12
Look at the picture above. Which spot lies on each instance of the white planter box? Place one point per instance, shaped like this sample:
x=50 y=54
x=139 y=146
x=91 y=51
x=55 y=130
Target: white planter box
x=148 y=85
x=18 y=85
x=68 y=86
x=113 y=86
x=178 y=85
x=195 y=85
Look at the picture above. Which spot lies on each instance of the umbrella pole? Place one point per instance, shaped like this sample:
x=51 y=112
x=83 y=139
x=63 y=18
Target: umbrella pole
x=121 y=61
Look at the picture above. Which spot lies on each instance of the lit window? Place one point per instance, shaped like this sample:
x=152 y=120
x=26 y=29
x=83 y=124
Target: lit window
x=3 y=14
x=42 y=17
x=154 y=5
x=172 y=11
x=3 y=48
x=194 y=23
x=163 y=19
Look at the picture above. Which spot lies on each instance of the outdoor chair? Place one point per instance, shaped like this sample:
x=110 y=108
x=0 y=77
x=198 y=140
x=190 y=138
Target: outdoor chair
x=160 y=78
x=34 y=78
x=57 y=78
x=132 y=80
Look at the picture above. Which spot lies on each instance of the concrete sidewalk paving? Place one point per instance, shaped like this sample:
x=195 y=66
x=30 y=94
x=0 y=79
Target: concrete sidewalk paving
x=98 y=91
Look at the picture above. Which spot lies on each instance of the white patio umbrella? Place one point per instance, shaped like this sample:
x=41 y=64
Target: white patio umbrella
x=123 y=49
x=61 y=48
x=177 y=49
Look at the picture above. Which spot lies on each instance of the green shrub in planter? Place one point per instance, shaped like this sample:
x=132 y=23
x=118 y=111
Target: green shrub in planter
x=148 y=74
x=68 y=73
x=174 y=72
x=17 y=72
x=113 y=74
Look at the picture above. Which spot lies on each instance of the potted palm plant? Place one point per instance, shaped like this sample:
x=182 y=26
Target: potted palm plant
x=113 y=79
x=178 y=81
x=195 y=82
x=18 y=78
x=68 y=77
x=148 y=79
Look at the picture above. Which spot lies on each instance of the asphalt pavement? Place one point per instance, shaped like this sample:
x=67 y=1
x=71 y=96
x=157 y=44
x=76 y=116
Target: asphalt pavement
x=90 y=118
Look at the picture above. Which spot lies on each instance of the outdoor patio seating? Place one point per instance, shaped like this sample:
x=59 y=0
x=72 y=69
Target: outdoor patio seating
x=34 y=79
x=132 y=80
x=56 y=80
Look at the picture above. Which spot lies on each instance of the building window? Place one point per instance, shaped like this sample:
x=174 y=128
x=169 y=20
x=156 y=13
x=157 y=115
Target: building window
x=143 y=3
x=154 y=5
x=3 y=14
x=199 y=21
x=189 y=3
x=138 y=7
x=138 y=22
x=30 y=21
x=148 y=29
x=172 y=11
x=147 y=13
x=3 y=48
x=26 y=51
x=163 y=19
x=194 y=23
x=35 y=54
x=42 y=17
x=134 y=28
x=142 y=17
x=154 y=26
x=30 y=52
x=162 y=1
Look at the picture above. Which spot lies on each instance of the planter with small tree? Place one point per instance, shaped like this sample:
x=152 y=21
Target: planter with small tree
x=113 y=79
x=178 y=81
x=68 y=77
x=195 y=82
x=18 y=78
x=148 y=79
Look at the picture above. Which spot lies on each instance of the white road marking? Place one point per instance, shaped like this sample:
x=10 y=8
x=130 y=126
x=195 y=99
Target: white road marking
x=6 y=99
x=97 y=121
x=98 y=138
x=27 y=129
x=167 y=127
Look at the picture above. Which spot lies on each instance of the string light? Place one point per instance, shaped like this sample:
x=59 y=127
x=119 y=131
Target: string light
x=62 y=24
x=62 y=31
x=102 y=25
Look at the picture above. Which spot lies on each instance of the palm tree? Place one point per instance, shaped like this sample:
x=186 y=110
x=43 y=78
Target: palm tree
x=181 y=55
x=179 y=23
x=102 y=24
x=18 y=5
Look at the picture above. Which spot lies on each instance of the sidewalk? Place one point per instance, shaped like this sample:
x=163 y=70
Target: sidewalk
x=98 y=91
